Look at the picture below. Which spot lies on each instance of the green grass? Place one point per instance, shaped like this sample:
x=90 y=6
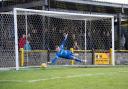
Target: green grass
x=66 y=78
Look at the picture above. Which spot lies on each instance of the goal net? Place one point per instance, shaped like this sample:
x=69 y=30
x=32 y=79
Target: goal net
x=37 y=32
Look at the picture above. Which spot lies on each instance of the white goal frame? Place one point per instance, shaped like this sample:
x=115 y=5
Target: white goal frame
x=77 y=16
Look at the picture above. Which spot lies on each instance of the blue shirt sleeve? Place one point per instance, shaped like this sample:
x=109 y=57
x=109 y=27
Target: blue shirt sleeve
x=55 y=59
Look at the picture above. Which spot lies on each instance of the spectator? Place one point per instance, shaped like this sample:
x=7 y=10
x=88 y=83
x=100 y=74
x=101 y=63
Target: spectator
x=22 y=41
x=27 y=46
x=122 y=42
x=76 y=47
x=75 y=44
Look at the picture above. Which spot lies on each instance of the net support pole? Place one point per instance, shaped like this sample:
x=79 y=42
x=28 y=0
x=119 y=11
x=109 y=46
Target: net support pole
x=85 y=40
x=16 y=39
x=113 y=45
x=26 y=29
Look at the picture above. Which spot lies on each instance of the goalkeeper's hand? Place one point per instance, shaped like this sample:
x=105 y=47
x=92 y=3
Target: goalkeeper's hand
x=65 y=35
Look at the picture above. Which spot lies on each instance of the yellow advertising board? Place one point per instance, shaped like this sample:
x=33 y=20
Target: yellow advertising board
x=101 y=58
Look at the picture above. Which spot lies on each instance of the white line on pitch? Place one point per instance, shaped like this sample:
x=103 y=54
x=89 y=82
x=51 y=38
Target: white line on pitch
x=66 y=77
x=53 y=78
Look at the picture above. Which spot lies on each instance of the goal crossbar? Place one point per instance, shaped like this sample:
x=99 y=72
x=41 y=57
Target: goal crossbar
x=62 y=15
x=66 y=15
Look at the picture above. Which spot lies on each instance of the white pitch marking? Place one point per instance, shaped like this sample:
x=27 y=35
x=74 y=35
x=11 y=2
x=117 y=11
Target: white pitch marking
x=53 y=78
x=66 y=77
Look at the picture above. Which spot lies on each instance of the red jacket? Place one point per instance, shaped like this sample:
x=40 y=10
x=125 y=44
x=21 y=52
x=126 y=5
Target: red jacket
x=22 y=42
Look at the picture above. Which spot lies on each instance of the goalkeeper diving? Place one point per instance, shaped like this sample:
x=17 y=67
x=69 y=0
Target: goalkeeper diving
x=62 y=53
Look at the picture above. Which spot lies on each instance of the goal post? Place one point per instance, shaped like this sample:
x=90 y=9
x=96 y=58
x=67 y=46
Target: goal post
x=45 y=29
x=28 y=37
x=113 y=43
x=16 y=39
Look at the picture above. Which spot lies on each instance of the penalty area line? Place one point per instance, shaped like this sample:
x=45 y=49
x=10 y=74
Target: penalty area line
x=53 y=78
x=62 y=77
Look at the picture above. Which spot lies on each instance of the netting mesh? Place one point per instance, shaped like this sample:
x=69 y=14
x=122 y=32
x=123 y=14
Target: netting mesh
x=40 y=31
x=99 y=34
x=7 y=41
x=44 y=30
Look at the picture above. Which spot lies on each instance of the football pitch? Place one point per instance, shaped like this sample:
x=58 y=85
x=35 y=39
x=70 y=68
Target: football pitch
x=65 y=78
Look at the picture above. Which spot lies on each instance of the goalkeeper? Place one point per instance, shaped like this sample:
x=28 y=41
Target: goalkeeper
x=62 y=53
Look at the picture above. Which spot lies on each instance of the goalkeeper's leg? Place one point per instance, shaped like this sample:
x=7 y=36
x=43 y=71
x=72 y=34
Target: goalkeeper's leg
x=77 y=59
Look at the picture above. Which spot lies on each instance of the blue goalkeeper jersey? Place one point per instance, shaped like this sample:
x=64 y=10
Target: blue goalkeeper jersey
x=63 y=53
